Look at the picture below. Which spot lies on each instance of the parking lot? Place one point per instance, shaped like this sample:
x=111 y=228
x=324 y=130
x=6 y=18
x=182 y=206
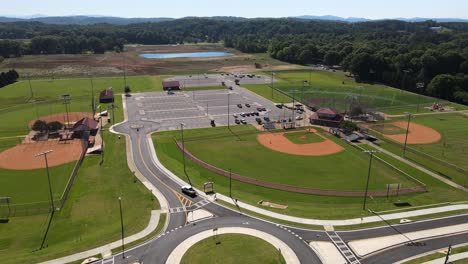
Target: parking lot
x=196 y=109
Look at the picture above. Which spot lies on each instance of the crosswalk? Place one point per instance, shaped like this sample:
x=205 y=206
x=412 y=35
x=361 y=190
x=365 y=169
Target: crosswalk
x=191 y=207
x=342 y=247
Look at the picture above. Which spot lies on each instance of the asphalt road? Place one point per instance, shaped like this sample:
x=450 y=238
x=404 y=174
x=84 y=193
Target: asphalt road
x=158 y=249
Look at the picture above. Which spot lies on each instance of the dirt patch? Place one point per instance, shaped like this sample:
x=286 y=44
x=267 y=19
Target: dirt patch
x=278 y=142
x=62 y=117
x=303 y=137
x=418 y=134
x=21 y=157
x=251 y=68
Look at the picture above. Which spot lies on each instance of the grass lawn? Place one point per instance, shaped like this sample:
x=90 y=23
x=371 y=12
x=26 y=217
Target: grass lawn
x=437 y=255
x=232 y=248
x=312 y=206
x=341 y=171
x=303 y=137
x=91 y=214
x=328 y=89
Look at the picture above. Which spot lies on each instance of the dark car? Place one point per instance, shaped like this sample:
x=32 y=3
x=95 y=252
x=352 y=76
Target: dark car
x=247 y=114
x=188 y=190
x=256 y=113
x=280 y=106
x=247 y=105
x=266 y=118
x=259 y=109
x=239 y=105
x=237 y=121
x=213 y=123
x=259 y=120
x=230 y=87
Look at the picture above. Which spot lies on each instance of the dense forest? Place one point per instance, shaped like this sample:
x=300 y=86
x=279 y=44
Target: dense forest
x=396 y=53
x=8 y=77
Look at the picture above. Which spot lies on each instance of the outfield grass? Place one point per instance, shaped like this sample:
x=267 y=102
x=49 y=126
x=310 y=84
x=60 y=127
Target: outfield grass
x=303 y=137
x=342 y=171
x=302 y=205
x=232 y=248
x=90 y=217
x=338 y=91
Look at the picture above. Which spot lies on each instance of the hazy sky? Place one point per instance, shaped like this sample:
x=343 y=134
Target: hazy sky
x=244 y=8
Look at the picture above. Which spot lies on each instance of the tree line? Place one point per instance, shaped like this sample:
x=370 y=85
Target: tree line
x=8 y=77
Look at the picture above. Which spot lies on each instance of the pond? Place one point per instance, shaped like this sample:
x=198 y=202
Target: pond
x=185 y=55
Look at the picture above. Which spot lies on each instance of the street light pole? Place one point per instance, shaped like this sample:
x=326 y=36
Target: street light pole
x=122 y=227
x=229 y=95
x=183 y=153
x=409 y=115
x=30 y=86
x=230 y=183
x=66 y=101
x=51 y=196
x=419 y=87
x=93 y=103
x=371 y=152
x=272 y=85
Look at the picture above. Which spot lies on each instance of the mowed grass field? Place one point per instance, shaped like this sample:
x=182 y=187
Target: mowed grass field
x=452 y=148
x=232 y=249
x=17 y=109
x=344 y=171
x=303 y=137
x=313 y=206
x=333 y=89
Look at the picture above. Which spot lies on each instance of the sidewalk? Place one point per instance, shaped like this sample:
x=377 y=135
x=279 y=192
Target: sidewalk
x=288 y=254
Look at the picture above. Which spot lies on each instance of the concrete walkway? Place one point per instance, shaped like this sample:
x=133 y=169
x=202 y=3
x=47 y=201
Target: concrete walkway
x=288 y=254
x=416 y=166
x=327 y=252
x=153 y=223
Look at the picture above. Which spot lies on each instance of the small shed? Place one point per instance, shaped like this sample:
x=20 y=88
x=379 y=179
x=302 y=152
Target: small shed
x=171 y=85
x=85 y=125
x=106 y=96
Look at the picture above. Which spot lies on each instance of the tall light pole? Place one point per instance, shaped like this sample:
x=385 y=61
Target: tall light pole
x=44 y=153
x=371 y=152
x=30 y=86
x=419 y=87
x=125 y=71
x=229 y=96
x=66 y=101
x=183 y=152
x=93 y=103
x=230 y=183
x=272 y=87
x=409 y=115
x=122 y=227
x=302 y=94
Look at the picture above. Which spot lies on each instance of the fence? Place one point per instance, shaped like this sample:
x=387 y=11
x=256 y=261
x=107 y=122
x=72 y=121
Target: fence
x=288 y=188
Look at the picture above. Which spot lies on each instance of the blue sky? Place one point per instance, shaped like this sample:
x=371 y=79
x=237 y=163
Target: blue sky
x=244 y=8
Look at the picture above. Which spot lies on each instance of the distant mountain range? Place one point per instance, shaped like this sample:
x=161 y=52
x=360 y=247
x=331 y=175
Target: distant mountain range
x=86 y=20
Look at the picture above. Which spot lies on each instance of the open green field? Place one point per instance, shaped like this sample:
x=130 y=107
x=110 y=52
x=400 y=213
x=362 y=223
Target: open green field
x=313 y=206
x=303 y=137
x=344 y=171
x=231 y=249
x=90 y=216
x=333 y=89
x=451 y=149
x=16 y=109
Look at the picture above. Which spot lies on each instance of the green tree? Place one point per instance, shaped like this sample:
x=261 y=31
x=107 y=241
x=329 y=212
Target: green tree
x=54 y=126
x=442 y=86
x=39 y=125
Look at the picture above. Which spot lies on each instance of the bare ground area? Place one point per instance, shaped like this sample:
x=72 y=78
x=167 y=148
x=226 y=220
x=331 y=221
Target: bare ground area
x=111 y=64
x=418 y=134
x=22 y=156
x=278 y=142
x=73 y=117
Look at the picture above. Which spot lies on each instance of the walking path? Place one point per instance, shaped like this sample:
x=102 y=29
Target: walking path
x=416 y=166
x=452 y=258
x=177 y=254
x=432 y=113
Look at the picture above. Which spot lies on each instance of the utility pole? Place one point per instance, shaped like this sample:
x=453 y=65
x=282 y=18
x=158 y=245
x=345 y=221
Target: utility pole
x=93 y=103
x=102 y=139
x=371 y=152
x=183 y=152
x=122 y=227
x=272 y=87
x=419 y=87
x=66 y=101
x=302 y=94
x=50 y=193
x=125 y=71
x=449 y=250
x=230 y=183
x=30 y=86
x=409 y=115
x=229 y=95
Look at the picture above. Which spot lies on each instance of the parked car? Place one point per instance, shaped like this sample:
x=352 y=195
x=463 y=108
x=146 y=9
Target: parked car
x=280 y=106
x=234 y=115
x=230 y=87
x=212 y=123
x=256 y=113
x=239 y=105
x=252 y=113
x=170 y=92
x=259 y=120
x=242 y=114
x=266 y=118
x=259 y=109
x=299 y=118
x=188 y=190
x=243 y=121
x=247 y=105
x=237 y=121
x=247 y=114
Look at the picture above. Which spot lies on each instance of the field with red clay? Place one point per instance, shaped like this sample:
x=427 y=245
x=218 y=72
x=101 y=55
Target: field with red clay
x=22 y=156
x=418 y=134
x=278 y=142
x=73 y=117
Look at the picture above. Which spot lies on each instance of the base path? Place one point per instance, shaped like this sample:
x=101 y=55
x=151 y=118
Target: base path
x=73 y=117
x=22 y=156
x=278 y=142
x=288 y=254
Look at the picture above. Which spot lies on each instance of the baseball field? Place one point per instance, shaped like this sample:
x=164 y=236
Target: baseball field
x=447 y=151
x=242 y=156
x=336 y=90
